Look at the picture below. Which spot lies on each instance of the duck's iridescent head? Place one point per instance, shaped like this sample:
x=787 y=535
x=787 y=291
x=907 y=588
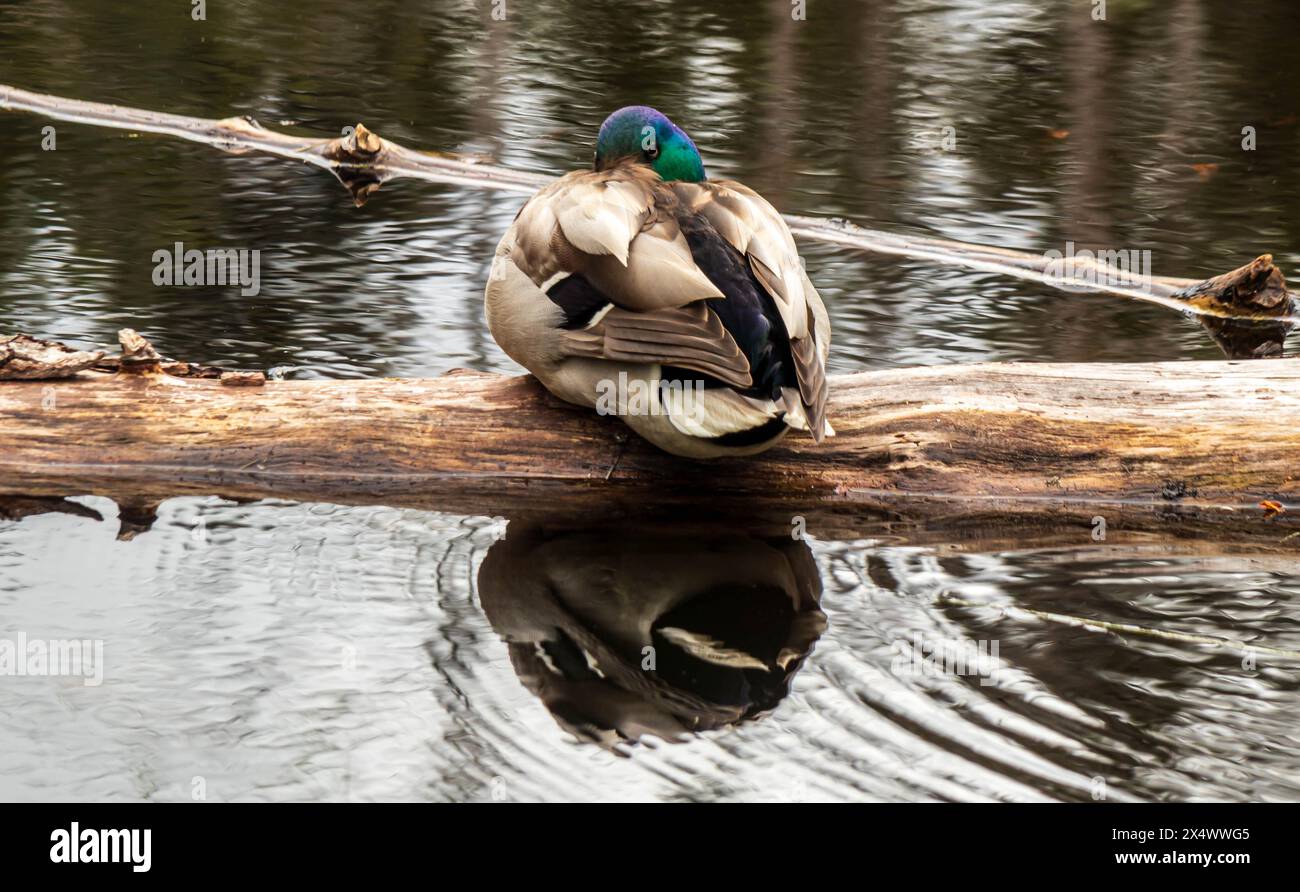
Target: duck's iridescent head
x=641 y=133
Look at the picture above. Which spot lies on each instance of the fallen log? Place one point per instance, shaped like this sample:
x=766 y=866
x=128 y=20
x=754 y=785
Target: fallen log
x=1173 y=448
x=973 y=452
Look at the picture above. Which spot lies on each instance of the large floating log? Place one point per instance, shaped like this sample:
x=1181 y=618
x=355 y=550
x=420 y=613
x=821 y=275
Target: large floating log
x=1166 y=447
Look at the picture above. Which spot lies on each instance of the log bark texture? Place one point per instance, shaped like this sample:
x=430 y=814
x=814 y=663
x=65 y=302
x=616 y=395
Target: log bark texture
x=1168 y=447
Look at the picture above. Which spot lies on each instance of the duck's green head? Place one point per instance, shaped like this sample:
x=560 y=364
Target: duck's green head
x=647 y=136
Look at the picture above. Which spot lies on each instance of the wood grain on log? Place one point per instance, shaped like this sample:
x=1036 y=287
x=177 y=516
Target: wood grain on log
x=1170 y=447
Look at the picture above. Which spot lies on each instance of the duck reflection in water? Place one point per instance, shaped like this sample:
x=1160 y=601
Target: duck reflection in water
x=624 y=633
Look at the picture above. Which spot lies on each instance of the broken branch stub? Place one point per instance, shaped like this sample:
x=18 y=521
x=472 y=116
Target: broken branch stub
x=358 y=161
x=1257 y=287
x=24 y=358
x=1247 y=310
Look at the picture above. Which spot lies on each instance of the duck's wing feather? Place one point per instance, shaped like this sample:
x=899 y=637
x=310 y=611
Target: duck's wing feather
x=691 y=337
x=606 y=226
x=755 y=229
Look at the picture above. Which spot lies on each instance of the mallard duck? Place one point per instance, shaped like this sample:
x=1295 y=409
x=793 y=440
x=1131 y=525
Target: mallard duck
x=642 y=288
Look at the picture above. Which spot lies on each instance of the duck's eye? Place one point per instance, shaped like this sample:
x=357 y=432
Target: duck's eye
x=652 y=153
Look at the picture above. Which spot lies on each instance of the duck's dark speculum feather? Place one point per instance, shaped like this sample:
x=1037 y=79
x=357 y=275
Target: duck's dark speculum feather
x=748 y=312
x=579 y=299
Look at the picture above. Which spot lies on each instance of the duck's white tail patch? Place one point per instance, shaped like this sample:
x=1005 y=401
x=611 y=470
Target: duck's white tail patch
x=712 y=412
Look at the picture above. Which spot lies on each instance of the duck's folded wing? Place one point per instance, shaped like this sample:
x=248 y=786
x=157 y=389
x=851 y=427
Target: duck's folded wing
x=607 y=228
x=755 y=229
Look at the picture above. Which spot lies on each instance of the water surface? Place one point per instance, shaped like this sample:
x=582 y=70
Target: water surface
x=286 y=651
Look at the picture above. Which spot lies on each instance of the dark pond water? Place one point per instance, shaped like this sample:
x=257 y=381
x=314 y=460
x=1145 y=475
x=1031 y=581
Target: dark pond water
x=279 y=650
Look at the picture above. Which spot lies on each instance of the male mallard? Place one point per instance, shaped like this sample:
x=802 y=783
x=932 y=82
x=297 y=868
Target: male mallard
x=679 y=303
